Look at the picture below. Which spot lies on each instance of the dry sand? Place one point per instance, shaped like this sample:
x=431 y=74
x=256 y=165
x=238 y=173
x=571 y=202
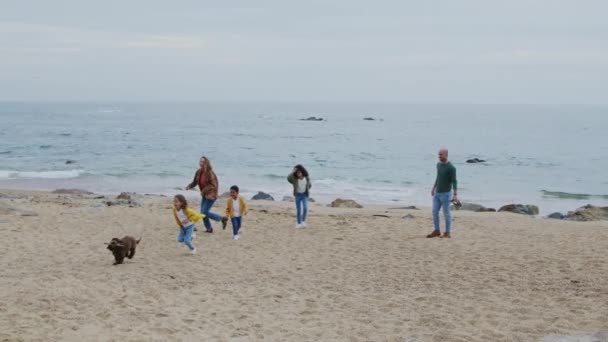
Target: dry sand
x=348 y=277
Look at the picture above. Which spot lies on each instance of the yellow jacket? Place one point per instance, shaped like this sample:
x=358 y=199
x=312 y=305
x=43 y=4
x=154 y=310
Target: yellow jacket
x=192 y=215
x=230 y=209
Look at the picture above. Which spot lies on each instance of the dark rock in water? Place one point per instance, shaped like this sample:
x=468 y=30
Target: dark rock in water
x=69 y=161
x=288 y=199
x=262 y=196
x=45 y=146
x=520 y=209
x=72 y=192
x=369 y=119
x=475 y=160
x=588 y=213
x=556 y=216
x=65 y=134
x=312 y=118
x=345 y=203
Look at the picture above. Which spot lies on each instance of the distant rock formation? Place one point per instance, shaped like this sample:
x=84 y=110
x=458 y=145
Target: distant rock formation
x=478 y=208
x=475 y=161
x=588 y=213
x=556 y=216
x=262 y=196
x=345 y=203
x=520 y=209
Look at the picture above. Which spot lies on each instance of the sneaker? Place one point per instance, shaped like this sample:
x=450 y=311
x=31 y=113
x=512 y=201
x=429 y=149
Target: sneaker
x=193 y=251
x=304 y=224
x=435 y=233
x=224 y=222
x=236 y=237
x=210 y=230
x=299 y=225
x=446 y=235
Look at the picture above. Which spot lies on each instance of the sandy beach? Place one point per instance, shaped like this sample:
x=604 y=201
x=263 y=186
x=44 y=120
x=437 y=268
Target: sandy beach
x=350 y=276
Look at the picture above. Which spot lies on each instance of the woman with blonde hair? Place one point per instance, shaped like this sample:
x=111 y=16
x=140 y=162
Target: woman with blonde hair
x=207 y=182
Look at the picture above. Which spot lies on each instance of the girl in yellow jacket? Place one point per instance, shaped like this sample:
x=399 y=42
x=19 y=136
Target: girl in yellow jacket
x=236 y=208
x=185 y=219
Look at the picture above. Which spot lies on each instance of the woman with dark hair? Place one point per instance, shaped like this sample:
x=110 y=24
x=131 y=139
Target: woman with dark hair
x=206 y=180
x=300 y=180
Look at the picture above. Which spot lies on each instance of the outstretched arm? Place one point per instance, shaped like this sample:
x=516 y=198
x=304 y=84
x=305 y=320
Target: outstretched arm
x=194 y=181
x=291 y=178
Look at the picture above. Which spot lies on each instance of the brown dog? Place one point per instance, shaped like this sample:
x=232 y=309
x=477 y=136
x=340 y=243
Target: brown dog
x=122 y=248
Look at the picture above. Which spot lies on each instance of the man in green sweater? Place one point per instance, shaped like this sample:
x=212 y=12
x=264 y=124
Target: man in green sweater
x=442 y=194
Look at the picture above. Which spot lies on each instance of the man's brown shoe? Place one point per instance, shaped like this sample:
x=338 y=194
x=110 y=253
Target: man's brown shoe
x=435 y=233
x=446 y=236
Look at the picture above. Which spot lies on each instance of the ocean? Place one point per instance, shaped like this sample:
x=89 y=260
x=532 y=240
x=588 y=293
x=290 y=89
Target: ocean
x=555 y=157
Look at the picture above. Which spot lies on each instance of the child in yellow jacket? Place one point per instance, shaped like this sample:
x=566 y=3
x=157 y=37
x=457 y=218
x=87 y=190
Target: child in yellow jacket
x=236 y=208
x=185 y=219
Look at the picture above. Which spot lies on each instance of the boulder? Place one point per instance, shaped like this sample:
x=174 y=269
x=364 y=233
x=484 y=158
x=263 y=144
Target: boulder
x=312 y=118
x=475 y=161
x=556 y=216
x=345 y=203
x=311 y=200
x=588 y=213
x=126 y=198
x=262 y=196
x=288 y=199
x=520 y=209
x=478 y=208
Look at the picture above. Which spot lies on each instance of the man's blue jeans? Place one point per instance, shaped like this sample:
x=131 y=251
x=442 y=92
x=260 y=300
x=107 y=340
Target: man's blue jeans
x=442 y=200
x=206 y=205
x=301 y=207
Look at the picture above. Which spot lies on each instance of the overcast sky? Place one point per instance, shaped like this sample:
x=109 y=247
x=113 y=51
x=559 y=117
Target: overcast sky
x=472 y=51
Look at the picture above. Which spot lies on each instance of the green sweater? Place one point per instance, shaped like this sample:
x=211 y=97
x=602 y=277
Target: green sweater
x=446 y=178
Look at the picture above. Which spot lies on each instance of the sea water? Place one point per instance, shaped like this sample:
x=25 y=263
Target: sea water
x=555 y=157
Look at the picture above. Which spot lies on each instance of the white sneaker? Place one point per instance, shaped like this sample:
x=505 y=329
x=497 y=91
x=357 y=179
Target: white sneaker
x=303 y=224
x=298 y=226
x=236 y=237
x=193 y=251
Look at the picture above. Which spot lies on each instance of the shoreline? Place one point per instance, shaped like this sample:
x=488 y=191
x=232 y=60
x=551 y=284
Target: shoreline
x=548 y=204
